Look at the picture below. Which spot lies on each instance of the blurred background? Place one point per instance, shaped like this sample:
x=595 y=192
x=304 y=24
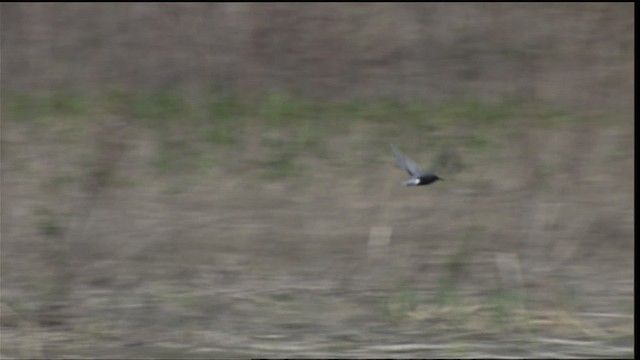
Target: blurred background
x=215 y=180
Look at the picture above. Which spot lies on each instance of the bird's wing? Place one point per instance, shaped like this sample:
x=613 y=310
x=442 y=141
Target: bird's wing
x=405 y=163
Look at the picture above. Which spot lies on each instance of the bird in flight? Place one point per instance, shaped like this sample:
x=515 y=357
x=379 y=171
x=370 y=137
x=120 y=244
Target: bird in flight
x=418 y=177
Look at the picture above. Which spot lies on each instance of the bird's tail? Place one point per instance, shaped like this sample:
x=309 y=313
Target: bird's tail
x=411 y=182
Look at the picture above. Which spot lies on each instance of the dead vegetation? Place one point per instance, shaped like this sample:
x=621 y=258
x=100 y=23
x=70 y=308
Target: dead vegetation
x=214 y=180
x=514 y=249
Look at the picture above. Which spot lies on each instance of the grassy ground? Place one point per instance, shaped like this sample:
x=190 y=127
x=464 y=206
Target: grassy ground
x=154 y=225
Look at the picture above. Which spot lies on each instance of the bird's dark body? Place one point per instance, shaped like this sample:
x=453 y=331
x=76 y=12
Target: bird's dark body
x=427 y=179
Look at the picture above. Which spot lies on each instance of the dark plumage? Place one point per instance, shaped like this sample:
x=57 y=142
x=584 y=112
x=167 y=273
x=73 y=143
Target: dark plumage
x=418 y=177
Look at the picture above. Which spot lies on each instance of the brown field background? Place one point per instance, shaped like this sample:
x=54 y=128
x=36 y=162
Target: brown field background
x=207 y=180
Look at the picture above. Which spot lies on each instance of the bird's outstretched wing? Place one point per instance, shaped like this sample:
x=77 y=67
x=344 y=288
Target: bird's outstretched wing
x=405 y=162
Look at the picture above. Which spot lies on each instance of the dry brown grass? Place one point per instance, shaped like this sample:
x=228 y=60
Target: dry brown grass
x=233 y=253
x=578 y=54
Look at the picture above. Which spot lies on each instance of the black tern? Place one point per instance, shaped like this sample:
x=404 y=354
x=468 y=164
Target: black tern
x=418 y=177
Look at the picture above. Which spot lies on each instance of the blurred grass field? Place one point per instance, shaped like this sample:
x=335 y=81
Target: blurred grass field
x=160 y=225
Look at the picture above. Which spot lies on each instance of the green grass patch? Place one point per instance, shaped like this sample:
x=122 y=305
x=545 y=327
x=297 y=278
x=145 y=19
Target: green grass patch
x=188 y=127
x=159 y=106
x=283 y=110
x=48 y=223
x=69 y=105
x=280 y=165
x=23 y=107
x=278 y=109
x=400 y=301
x=471 y=112
x=224 y=118
x=58 y=183
x=175 y=156
x=57 y=106
x=227 y=107
x=507 y=309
